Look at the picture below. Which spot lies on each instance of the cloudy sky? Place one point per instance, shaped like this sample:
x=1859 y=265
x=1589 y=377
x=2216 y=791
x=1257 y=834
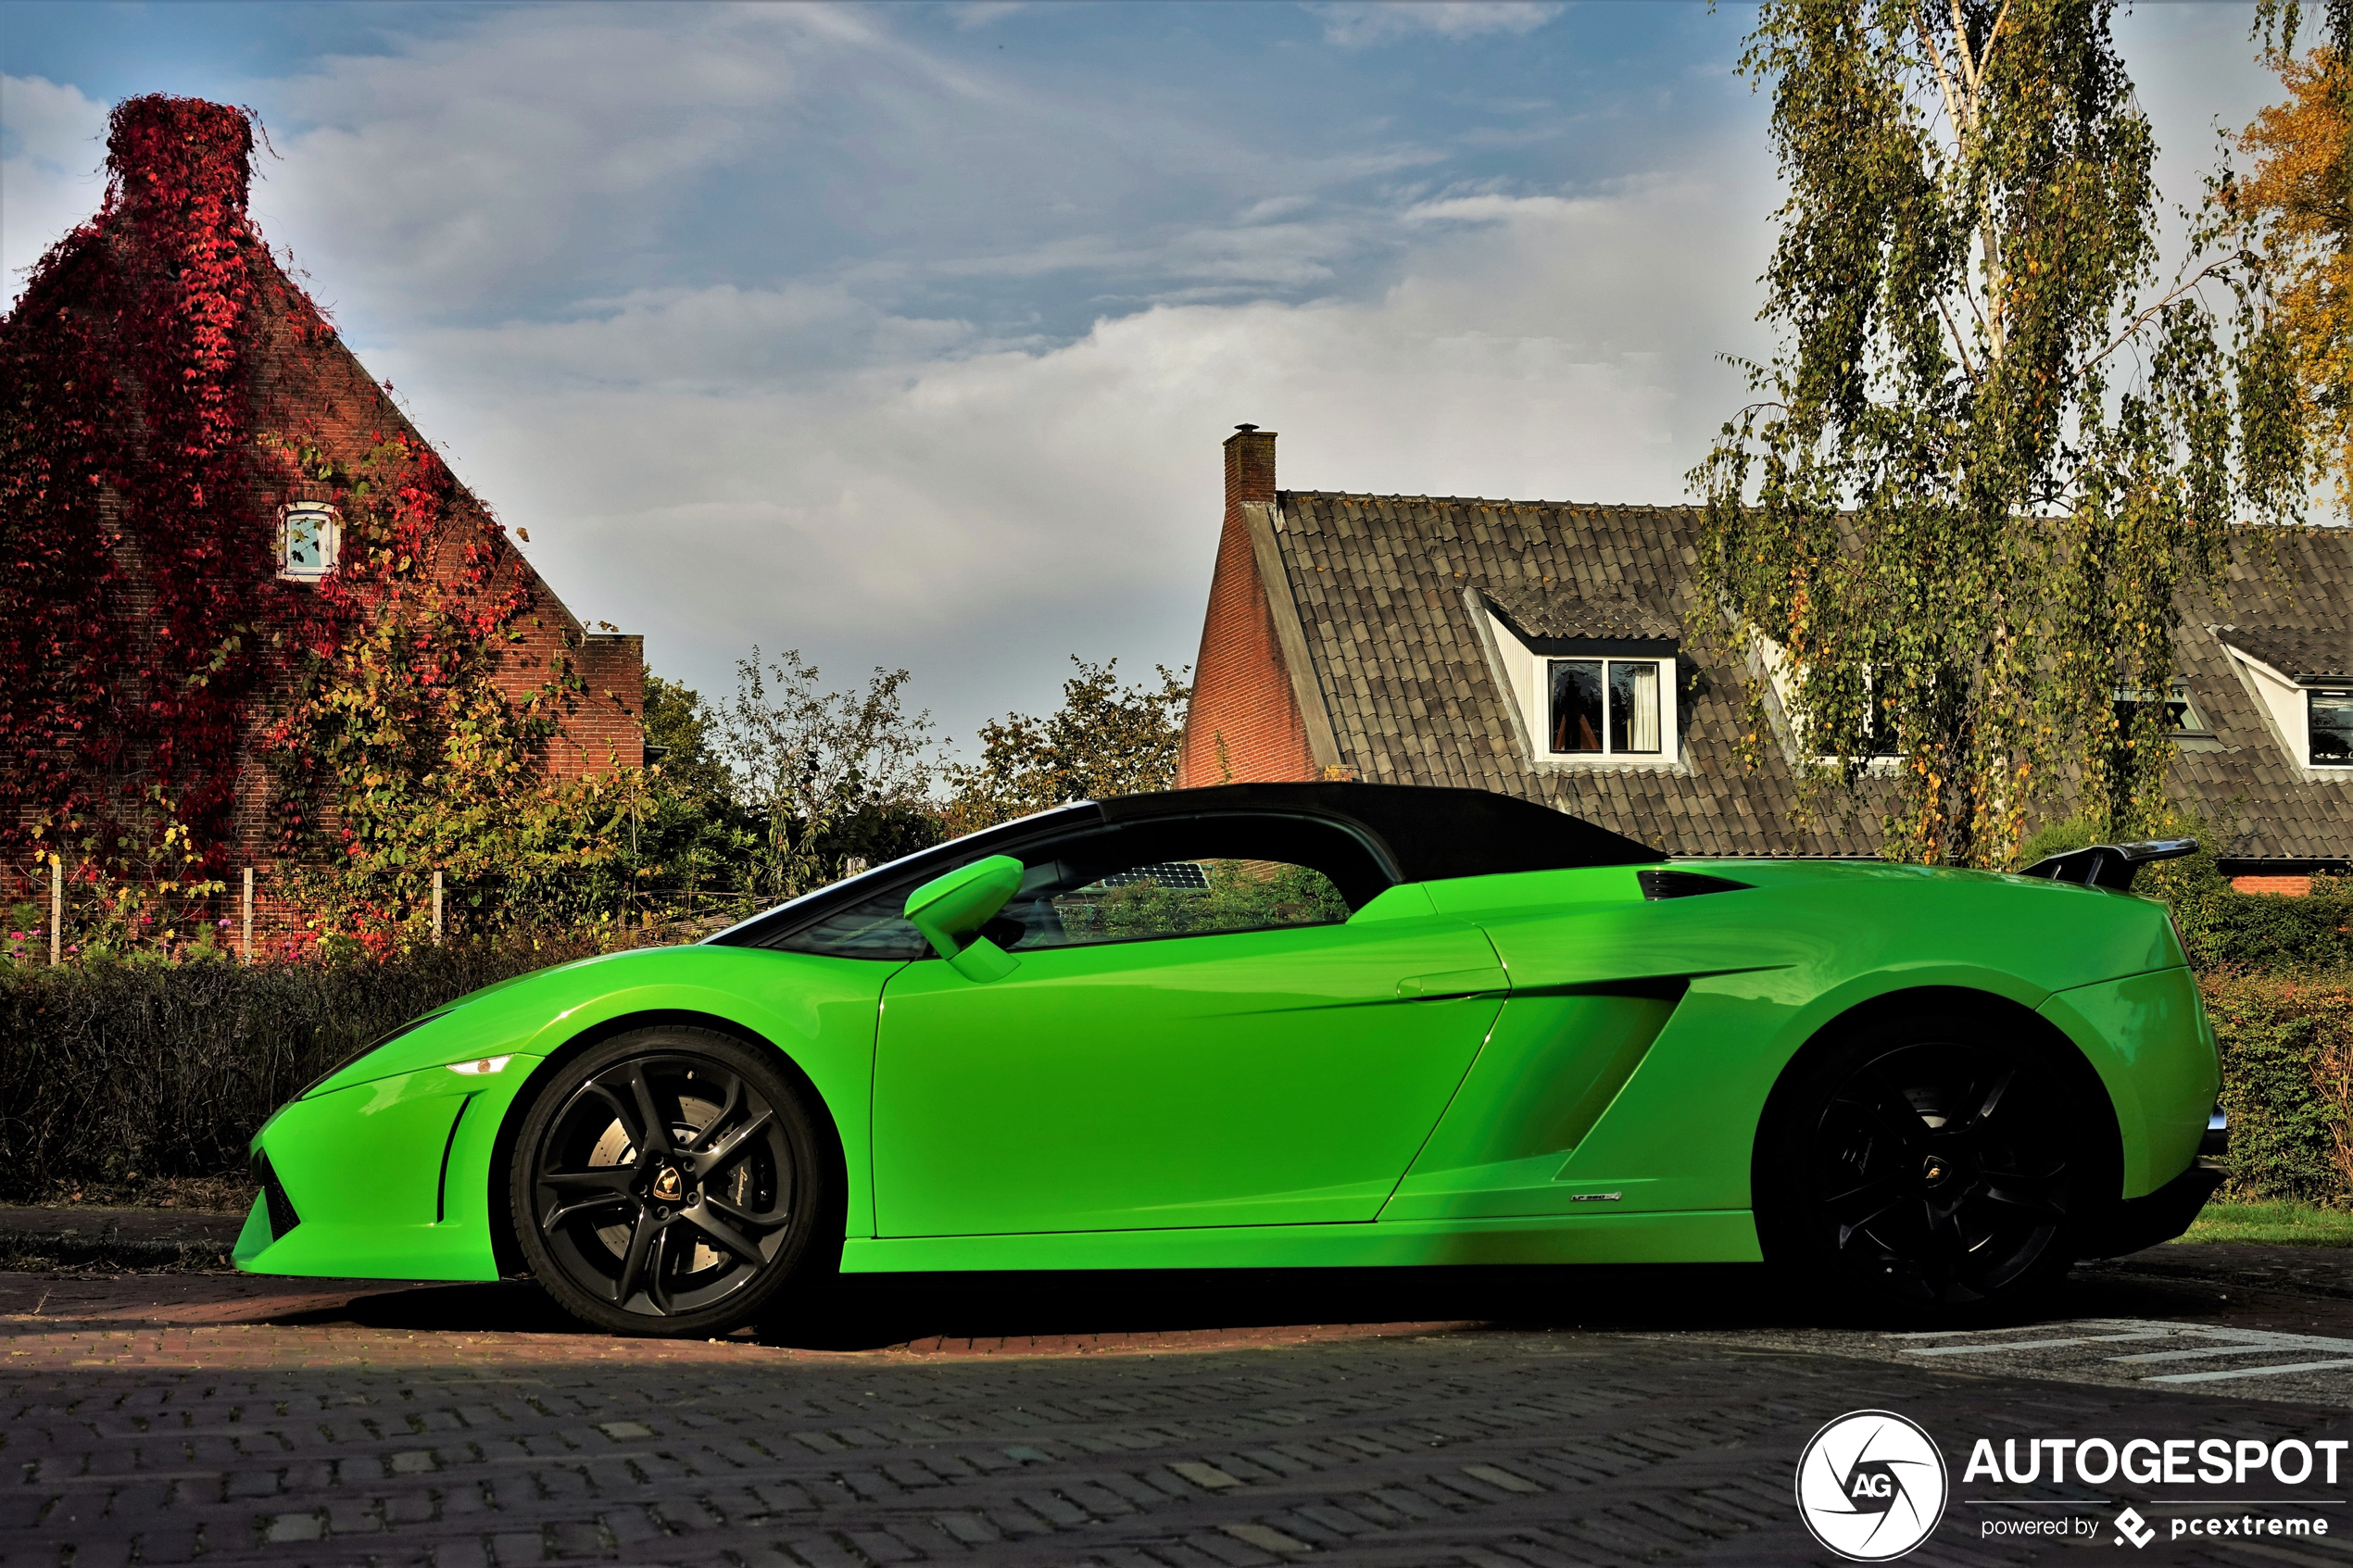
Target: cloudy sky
x=906 y=334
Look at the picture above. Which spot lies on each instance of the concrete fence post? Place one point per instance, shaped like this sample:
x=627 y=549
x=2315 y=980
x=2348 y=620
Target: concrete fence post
x=56 y=910
x=248 y=911
x=436 y=909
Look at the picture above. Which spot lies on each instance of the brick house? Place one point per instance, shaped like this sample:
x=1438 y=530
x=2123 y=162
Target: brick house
x=1537 y=648
x=182 y=420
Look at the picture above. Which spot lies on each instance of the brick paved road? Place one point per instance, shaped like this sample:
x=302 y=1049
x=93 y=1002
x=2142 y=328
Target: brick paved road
x=1654 y=1418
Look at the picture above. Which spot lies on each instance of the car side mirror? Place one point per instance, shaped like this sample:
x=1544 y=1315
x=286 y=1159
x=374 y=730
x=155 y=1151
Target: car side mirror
x=949 y=911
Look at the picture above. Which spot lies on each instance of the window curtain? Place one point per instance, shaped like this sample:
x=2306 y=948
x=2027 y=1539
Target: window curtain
x=1645 y=694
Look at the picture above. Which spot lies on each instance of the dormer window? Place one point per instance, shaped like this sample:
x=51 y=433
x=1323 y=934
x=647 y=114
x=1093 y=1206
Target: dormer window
x=1588 y=681
x=1880 y=746
x=310 y=541
x=2303 y=683
x=1606 y=706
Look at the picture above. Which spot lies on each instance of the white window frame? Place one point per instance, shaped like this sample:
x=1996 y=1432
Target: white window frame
x=2194 y=729
x=1663 y=673
x=330 y=541
x=2335 y=688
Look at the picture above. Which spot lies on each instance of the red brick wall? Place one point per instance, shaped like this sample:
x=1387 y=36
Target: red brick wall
x=324 y=392
x=1243 y=724
x=604 y=731
x=2293 y=887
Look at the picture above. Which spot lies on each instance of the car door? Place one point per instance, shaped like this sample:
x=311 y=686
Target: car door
x=1201 y=1032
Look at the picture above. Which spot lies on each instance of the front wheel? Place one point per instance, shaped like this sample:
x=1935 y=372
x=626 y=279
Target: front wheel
x=1937 y=1168
x=667 y=1181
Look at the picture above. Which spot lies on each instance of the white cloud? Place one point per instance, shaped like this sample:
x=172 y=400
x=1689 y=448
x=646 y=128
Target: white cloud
x=1357 y=24
x=977 y=512
x=51 y=155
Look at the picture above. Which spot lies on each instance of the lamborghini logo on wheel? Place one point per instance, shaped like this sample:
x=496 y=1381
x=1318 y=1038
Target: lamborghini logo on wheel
x=667 y=1188
x=1872 y=1486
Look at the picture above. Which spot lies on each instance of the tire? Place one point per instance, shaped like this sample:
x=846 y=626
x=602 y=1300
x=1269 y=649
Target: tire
x=693 y=1232
x=1936 y=1169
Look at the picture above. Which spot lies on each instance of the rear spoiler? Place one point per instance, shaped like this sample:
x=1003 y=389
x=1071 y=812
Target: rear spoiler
x=2110 y=865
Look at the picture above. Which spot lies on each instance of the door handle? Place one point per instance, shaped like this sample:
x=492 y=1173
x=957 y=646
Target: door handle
x=1456 y=982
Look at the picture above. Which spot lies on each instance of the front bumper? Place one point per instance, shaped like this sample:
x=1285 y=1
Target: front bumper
x=382 y=1179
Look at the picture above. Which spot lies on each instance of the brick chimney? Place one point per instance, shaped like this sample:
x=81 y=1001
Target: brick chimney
x=1250 y=468
x=181 y=163
x=1243 y=724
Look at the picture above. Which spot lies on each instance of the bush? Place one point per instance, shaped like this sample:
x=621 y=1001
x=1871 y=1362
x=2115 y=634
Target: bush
x=2287 y=1075
x=115 y=1073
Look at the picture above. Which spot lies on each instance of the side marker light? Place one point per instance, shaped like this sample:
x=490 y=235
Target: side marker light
x=485 y=1064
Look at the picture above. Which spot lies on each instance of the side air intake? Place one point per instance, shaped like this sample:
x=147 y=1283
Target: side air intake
x=1684 y=884
x=280 y=1208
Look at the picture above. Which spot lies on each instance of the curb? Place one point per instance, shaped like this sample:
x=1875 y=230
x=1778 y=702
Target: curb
x=34 y=1252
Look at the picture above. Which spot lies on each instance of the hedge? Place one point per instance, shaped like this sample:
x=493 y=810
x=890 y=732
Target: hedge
x=119 y=1073
x=2287 y=1084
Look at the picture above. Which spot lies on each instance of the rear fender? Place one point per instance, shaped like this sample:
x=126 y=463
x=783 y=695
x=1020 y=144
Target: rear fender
x=1681 y=1132
x=2148 y=1037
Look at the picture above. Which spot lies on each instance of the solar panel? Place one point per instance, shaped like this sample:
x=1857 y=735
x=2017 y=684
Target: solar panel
x=1171 y=874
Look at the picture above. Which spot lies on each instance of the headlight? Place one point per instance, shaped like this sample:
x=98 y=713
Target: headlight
x=483 y=1065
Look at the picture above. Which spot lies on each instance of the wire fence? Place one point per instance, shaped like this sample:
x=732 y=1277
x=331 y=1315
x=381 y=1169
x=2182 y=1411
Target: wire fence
x=55 y=912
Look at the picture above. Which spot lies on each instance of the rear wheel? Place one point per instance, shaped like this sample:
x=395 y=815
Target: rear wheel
x=1937 y=1168
x=667 y=1181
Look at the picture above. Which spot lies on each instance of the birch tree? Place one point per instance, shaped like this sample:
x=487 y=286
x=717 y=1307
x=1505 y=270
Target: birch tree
x=1995 y=441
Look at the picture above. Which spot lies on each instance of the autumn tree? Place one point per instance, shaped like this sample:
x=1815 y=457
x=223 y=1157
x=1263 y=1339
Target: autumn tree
x=1994 y=441
x=1105 y=739
x=2294 y=215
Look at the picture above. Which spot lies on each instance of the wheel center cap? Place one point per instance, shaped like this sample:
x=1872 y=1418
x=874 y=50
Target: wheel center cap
x=1936 y=1170
x=667 y=1188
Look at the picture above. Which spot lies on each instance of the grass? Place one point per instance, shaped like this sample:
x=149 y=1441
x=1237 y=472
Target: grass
x=2294 y=1225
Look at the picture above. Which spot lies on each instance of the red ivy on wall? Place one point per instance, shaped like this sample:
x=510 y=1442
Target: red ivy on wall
x=135 y=568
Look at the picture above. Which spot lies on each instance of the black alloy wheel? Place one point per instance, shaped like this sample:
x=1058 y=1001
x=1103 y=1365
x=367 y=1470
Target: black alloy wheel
x=1942 y=1169
x=667 y=1181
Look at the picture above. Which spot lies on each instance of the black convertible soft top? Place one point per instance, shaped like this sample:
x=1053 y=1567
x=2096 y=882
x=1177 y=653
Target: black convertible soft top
x=1429 y=834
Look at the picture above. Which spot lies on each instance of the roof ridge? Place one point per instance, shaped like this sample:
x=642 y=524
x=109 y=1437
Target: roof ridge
x=1485 y=501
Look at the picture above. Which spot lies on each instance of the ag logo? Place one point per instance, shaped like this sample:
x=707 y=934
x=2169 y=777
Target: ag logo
x=1870 y=1486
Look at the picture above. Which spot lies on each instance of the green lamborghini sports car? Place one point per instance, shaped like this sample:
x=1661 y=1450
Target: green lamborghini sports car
x=1284 y=1025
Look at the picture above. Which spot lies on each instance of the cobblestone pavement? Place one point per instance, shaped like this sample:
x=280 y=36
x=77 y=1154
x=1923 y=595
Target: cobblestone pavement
x=1594 y=1417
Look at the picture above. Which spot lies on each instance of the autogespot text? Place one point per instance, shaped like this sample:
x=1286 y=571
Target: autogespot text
x=2180 y=1461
